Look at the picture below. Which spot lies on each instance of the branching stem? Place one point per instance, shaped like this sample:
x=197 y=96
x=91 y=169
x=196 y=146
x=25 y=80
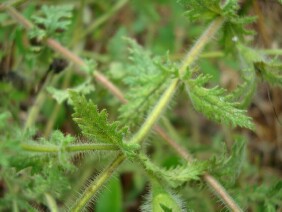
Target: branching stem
x=70 y=148
x=156 y=112
x=166 y=97
x=116 y=92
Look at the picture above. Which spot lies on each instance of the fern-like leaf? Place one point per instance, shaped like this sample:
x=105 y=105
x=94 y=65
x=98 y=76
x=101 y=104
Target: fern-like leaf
x=147 y=79
x=201 y=9
x=177 y=176
x=94 y=124
x=31 y=176
x=215 y=104
x=234 y=26
x=53 y=19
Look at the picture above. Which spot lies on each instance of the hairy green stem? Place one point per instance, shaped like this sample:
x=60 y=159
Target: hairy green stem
x=199 y=45
x=155 y=114
x=97 y=183
x=213 y=54
x=69 y=148
x=218 y=54
x=100 y=78
x=165 y=98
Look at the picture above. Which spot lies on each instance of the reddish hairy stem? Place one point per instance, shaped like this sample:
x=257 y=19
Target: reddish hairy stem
x=179 y=150
x=219 y=189
x=56 y=46
x=221 y=192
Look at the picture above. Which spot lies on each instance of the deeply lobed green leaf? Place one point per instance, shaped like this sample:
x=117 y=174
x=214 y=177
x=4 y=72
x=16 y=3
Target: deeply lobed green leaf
x=207 y=10
x=28 y=177
x=147 y=78
x=215 y=104
x=53 y=20
x=202 y=9
x=94 y=124
x=177 y=176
